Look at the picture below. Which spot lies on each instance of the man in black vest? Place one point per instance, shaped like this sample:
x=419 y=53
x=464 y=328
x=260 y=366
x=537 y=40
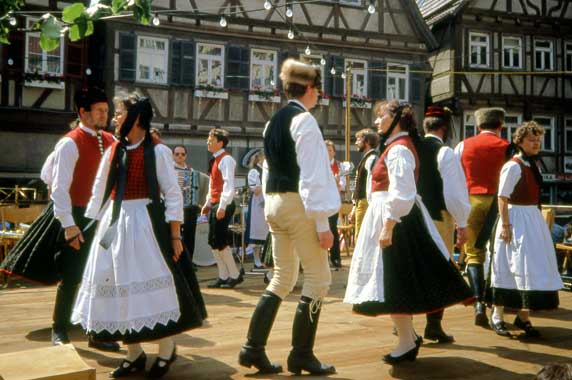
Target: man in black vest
x=367 y=141
x=442 y=187
x=301 y=194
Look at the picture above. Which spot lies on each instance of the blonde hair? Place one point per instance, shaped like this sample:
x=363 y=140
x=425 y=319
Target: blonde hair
x=526 y=129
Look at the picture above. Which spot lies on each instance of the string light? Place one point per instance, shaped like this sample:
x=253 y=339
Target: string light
x=290 y=34
x=156 y=20
x=333 y=71
x=267 y=5
x=343 y=75
x=308 y=51
x=289 y=12
x=272 y=83
x=223 y=22
x=88 y=71
x=12 y=21
x=323 y=62
x=371 y=8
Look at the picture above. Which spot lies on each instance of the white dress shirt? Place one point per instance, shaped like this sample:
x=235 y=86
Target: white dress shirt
x=226 y=166
x=317 y=187
x=455 y=190
x=66 y=155
x=254 y=179
x=509 y=176
x=166 y=176
x=47 y=173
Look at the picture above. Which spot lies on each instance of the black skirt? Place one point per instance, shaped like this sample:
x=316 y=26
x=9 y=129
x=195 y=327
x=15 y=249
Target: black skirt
x=33 y=257
x=418 y=279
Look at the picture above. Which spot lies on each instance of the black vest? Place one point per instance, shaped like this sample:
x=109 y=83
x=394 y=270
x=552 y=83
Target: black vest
x=430 y=184
x=280 y=151
x=360 y=191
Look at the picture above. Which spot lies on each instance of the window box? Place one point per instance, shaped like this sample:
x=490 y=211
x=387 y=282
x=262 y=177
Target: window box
x=324 y=102
x=44 y=80
x=211 y=94
x=358 y=104
x=46 y=84
x=264 y=98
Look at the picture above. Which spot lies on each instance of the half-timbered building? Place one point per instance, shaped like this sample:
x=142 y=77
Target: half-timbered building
x=515 y=54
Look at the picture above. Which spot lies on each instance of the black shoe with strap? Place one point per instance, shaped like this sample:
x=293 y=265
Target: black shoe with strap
x=302 y=356
x=529 y=331
x=253 y=353
x=127 y=368
x=410 y=355
x=500 y=328
x=161 y=366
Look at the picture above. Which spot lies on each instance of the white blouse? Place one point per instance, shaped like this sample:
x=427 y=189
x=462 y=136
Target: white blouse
x=509 y=177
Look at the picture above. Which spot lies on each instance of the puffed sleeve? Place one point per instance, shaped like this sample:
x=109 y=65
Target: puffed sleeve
x=253 y=179
x=66 y=155
x=402 y=190
x=99 y=185
x=455 y=190
x=509 y=176
x=168 y=184
x=47 y=173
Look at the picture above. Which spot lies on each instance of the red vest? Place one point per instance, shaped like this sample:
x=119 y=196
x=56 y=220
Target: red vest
x=216 y=182
x=86 y=165
x=335 y=168
x=380 y=175
x=136 y=185
x=526 y=192
x=482 y=159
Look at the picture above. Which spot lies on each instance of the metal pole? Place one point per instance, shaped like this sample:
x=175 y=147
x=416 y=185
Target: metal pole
x=348 y=72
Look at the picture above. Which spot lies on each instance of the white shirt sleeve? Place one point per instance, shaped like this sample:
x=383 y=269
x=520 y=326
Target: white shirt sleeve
x=168 y=183
x=317 y=187
x=226 y=167
x=369 y=169
x=47 y=174
x=343 y=182
x=253 y=179
x=264 y=177
x=402 y=190
x=65 y=158
x=459 y=150
x=455 y=190
x=99 y=185
x=509 y=176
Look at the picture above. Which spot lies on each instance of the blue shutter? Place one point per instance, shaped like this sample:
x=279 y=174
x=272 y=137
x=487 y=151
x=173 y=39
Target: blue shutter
x=378 y=80
x=182 y=63
x=416 y=83
x=127 y=56
x=237 y=68
x=337 y=84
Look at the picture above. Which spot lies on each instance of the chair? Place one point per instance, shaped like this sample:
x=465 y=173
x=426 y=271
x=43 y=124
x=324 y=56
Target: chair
x=549 y=214
x=345 y=228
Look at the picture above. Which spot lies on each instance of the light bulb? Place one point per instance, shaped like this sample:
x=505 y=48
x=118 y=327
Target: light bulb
x=333 y=71
x=308 y=51
x=289 y=12
x=371 y=9
x=290 y=34
x=343 y=75
x=10 y=61
x=322 y=62
x=88 y=71
x=12 y=21
x=223 y=22
x=156 y=21
x=272 y=83
x=267 y=5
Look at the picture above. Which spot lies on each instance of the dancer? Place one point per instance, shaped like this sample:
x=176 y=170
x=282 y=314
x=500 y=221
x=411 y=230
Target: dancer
x=220 y=208
x=442 y=187
x=482 y=157
x=256 y=226
x=138 y=285
x=400 y=264
x=524 y=273
x=301 y=194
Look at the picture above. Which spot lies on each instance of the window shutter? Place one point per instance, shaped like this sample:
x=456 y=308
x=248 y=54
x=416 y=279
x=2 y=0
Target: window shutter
x=378 y=80
x=337 y=83
x=127 y=56
x=237 y=68
x=175 y=69
x=75 y=59
x=15 y=51
x=416 y=83
x=187 y=63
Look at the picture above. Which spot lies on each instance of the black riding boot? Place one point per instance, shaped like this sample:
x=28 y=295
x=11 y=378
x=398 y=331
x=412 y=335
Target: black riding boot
x=65 y=296
x=253 y=353
x=302 y=357
x=477 y=281
x=434 y=330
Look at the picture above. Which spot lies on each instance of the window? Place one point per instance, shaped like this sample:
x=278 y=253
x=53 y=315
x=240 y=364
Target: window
x=316 y=61
x=548 y=123
x=479 y=47
x=359 y=76
x=397 y=82
x=39 y=61
x=263 y=69
x=543 y=59
x=568 y=56
x=568 y=131
x=210 y=67
x=511 y=123
x=512 y=52
x=152 y=59
x=469 y=124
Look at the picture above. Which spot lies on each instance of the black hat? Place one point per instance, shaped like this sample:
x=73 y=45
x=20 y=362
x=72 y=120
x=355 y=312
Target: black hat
x=142 y=109
x=85 y=97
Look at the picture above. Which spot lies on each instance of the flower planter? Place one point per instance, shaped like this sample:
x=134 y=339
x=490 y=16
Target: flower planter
x=45 y=84
x=324 y=102
x=363 y=105
x=211 y=94
x=263 y=98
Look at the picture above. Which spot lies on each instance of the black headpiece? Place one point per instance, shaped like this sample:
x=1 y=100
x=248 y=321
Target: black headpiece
x=142 y=109
x=85 y=97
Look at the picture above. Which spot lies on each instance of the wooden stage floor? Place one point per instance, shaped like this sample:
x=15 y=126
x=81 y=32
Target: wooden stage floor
x=354 y=344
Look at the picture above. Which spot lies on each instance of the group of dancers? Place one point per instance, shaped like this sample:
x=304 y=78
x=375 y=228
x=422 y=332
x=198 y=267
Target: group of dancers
x=128 y=277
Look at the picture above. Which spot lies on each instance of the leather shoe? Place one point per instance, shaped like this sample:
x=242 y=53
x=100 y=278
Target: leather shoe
x=481 y=314
x=59 y=336
x=529 y=331
x=500 y=328
x=103 y=346
x=126 y=368
x=410 y=355
x=217 y=284
x=161 y=366
x=436 y=333
x=232 y=282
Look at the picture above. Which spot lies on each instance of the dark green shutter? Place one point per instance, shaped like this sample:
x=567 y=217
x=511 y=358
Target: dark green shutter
x=237 y=68
x=175 y=73
x=377 y=80
x=182 y=63
x=127 y=56
x=337 y=83
x=416 y=83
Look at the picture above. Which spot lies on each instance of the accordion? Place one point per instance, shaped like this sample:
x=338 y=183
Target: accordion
x=189 y=182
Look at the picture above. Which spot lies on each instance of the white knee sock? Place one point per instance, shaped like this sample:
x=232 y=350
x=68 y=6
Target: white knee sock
x=498 y=314
x=256 y=256
x=524 y=315
x=166 y=347
x=228 y=260
x=404 y=326
x=269 y=274
x=133 y=351
x=222 y=271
